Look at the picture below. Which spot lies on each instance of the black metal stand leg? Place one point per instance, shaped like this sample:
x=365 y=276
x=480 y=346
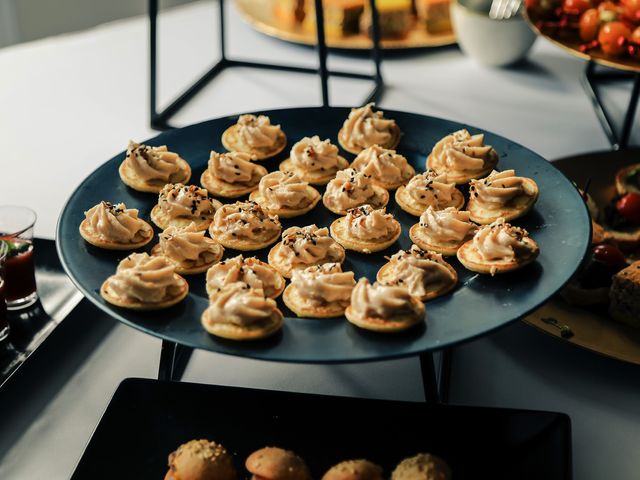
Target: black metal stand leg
x=444 y=381
x=590 y=80
x=173 y=361
x=429 y=379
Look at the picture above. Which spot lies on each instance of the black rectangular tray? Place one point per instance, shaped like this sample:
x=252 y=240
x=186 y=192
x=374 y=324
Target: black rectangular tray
x=147 y=419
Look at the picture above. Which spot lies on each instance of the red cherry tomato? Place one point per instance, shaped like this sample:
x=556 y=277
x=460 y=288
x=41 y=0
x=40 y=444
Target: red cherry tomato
x=613 y=37
x=609 y=255
x=629 y=207
x=589 y=25
x=631 y=10
x=575 y=7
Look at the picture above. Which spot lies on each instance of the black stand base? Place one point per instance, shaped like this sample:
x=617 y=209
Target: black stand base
x=590 y=80
x=159 y=120
x=173 y=361
x=436 y=387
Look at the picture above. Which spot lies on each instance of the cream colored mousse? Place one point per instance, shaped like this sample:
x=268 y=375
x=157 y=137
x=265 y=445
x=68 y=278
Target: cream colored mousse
x=364 y=128
x=148 y=169
x=179 y=205
x=384 y=308
x=386 y=167
x=244 y=226
x=501 y=194
x=429 y=189
x=232 y=174
x=239 y=312
x=142 y=282
x=351 y=189
x=115 y=227
x=498 y=248
x=365 y=229
x=302 y=247
x=188 y=249
x=256 y=273
x=320 y=291
x=313 y=160
x=462 y=157
x=442 y=231
x=255 y=135
x=425 y=274
x=285 y=194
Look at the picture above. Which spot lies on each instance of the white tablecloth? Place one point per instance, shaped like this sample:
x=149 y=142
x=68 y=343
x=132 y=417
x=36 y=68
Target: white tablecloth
x=69 y=103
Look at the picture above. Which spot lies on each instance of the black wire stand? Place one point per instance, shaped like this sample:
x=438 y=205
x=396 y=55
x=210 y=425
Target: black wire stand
x=159 y=120
x=590 y=81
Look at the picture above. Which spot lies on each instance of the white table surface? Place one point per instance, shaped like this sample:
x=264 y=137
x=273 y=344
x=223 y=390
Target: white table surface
x=69 y=103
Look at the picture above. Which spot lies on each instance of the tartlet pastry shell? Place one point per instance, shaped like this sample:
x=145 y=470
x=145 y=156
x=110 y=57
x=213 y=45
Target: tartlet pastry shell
x=280 y=282
x=286 y=273
x=287 y=212
x=383 y=276
x=379 y=200
x=409 y=205
x=398 y=324
x=519 y=206
x=471 y=259
x=138 y=305
x=87 y=233
x=447 y=249
x=391 y=144
x=313 y=179
x=461 y=179
x=231 y=331
x=181 y=269
x=218 y=188
x=246 y=245
x=232 y=143
x=291 y=299
x=163 y=221
x=341 y=235
x=130 y=179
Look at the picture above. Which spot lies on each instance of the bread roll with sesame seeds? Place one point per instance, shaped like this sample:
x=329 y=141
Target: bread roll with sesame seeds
x=423 y=466
x=201 y=460
x=273 y=463
x=354 y=470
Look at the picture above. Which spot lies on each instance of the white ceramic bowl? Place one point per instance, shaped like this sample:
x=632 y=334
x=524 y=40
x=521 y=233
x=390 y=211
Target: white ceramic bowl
x=490 y=42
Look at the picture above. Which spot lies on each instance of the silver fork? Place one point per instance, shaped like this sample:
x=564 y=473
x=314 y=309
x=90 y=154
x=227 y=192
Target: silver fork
x=503 y=9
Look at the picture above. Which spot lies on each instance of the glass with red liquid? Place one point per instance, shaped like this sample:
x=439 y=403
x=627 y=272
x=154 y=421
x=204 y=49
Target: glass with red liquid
x=16 y=233
x=4 y=320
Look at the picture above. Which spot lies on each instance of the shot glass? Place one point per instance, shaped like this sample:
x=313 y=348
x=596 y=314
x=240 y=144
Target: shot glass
x=16 y=233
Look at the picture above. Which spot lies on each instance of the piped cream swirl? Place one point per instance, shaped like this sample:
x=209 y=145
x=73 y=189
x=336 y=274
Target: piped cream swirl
x=364 y=128
x=312 y=155
x=498 y=189
x=502 y=242
x=145 y=279
x=462 y=153
x=244 y=221
x=257 y=274
x=448 y=225
x=186 y=245
x=187 y=201
x=383 y=165
x=432 y=189
x=153 y=163
x=257 y=132
x=323 y=284
x=234 y=168
x=239 y=304
x=117 y=223
x=349 y=189
x=367 y=223
x=284 y=190
x=305 y=246
x=381 y=301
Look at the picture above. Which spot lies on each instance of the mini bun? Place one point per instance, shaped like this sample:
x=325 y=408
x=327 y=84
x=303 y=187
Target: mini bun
x=273 y=463
x=201 y=460
x=354 y=470
x=423 y=466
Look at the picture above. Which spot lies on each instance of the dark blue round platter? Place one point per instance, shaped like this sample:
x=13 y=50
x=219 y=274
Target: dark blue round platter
x=480 y=304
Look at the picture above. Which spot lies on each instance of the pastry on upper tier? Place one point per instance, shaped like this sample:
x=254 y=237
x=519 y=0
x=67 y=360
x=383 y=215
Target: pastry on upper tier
x=365 y=229
x=425 y=274
x=462 y=157
x=142 y=282
x=428 y=189
x=285 y=194
x=313 y=160
x=501 y=195
x=179 y=205
x=302 y=247
x=387 y=168
x=244 y=226
x=115 y=227
x=255 y=135
x=625 y=295
x=201 y=460
x=442 y=231
x=383 y=308
x=273 y=463
x=351 y=189
x=498 y=248
x=395 y=18
x=256 y=273
x=232 y=174
x=148 y=169
x=188 y=249
x=239 y=312
x=628 y=179
x=341 y=17
x=364 y=128
x=320 y=291
x=423 y=466
x=354 y=470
